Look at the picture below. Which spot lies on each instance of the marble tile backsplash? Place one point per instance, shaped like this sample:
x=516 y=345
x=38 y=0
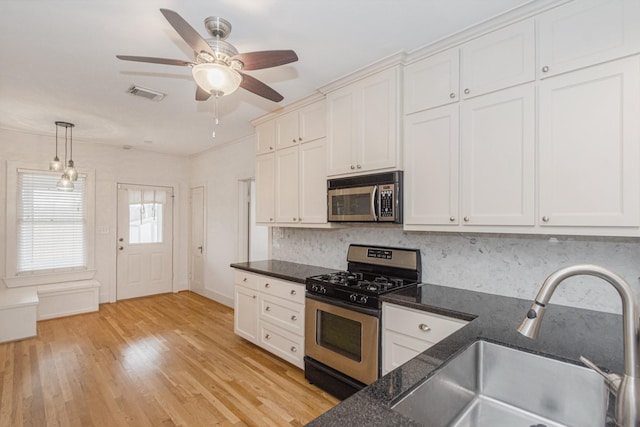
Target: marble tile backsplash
x=509 y=265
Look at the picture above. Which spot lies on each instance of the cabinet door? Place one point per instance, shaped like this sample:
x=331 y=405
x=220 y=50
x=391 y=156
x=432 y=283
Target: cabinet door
x=266 y=137
x=287 y=185
x=498 y=157
x=313 y=182
x=287 y=133
x=432 y=81
x=431 y=166
x=498 y=60
x=245 y=315
x=341 y=131
x=587 y=32
x=378 y=140
x=589 y=140
x=312 y=122
x=265 y=188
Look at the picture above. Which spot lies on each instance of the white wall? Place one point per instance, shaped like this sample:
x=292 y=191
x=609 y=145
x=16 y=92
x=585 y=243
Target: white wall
x=219 y=170
x=510 y=265
x=111 y=165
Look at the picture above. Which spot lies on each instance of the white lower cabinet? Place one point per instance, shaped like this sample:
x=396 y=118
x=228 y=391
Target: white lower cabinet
x=269 y=312
x=407 y=332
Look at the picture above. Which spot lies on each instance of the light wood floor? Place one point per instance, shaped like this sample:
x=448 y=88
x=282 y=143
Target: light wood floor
x=166 y=360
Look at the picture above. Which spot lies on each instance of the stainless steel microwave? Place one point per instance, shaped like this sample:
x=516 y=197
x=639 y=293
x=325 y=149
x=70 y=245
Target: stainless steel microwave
x=366 y=198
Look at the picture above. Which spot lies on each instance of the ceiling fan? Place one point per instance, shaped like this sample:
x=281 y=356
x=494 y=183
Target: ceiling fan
x=218 y=67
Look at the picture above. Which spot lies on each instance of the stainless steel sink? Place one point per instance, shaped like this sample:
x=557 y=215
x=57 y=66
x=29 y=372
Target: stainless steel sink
x=493 y=385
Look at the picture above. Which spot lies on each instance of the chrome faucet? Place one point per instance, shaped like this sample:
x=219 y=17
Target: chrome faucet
x=627 y=387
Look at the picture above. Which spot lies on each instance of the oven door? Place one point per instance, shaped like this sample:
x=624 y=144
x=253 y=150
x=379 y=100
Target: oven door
x=353 y=204
x=343 y=339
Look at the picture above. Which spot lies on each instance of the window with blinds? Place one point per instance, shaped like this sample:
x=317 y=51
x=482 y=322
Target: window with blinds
x=52 y=224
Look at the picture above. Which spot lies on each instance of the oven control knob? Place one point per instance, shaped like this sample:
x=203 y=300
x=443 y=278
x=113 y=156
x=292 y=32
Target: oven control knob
x=363 y=299
x=322 y=290
x=353 y=297
x=314 y=288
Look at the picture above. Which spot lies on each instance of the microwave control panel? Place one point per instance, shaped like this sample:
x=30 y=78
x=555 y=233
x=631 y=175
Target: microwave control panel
x=387 y=201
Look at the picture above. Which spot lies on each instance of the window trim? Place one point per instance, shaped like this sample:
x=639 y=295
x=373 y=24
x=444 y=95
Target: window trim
x=12 y=279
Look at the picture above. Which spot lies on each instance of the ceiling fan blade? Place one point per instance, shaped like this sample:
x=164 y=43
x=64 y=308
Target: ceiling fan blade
x=186 y=31
x=201 y=94
x=152 y=60
x=256 y=86
x=266 y=59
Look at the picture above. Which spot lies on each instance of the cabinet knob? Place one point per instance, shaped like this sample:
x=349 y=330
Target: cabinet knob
x=424 y=327
x=299 y=219
x=452 y=95
x=467 y=91
x=270 y=219
x=266 y=285
x=293 y=291
x=452 y=218
x=293 y=349
x=270 y=148
x=254 y=297
x=359 y=166
x=299 y=138
x=294 y=318
x=545 y=69
x=293 y=140
x=244 y=280
x=267 y=308
x=352 y=167
x=466 y=219
x=267 y=336
x=121 y=248
x=121 y=240
x=545 y=219
x=295 y=219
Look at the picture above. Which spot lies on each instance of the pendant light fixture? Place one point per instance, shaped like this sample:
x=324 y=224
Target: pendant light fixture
x=70 y=173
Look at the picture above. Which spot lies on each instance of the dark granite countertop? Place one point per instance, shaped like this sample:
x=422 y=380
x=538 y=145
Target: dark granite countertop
x=283 y=269
x=566 y=334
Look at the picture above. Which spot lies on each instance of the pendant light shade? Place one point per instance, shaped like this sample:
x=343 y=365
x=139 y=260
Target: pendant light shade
x=70 y=173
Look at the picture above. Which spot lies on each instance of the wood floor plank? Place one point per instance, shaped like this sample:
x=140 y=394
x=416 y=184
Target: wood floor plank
x=167 y=360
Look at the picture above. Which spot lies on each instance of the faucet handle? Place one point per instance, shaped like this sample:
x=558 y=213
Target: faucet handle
x=613 y=380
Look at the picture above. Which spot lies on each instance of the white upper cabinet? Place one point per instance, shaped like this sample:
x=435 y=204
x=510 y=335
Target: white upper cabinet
x=303 y=125
x=589 y=146
x=498 y=60
x=313 y=182
x=362 y=128
x=587 y=32
x=265 y=188
x=287 y=185
x=432 y=81
x=431 y=162
x=266 y=137
x=498 y=158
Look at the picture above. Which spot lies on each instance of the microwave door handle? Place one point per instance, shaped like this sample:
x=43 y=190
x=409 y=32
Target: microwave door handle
x=374 y=203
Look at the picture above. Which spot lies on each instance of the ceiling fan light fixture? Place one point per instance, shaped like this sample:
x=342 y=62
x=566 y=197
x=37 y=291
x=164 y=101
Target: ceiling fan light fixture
x=216 y=78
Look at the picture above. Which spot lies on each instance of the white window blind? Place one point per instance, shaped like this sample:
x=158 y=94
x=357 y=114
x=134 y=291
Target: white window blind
x=52 y=224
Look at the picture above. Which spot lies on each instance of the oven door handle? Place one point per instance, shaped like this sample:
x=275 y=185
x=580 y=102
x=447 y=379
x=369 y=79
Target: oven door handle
x=374 y=203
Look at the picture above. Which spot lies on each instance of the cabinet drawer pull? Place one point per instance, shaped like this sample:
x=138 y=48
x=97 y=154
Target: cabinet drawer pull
x=466 y=219
x=452 y=218
x=267 y=337
x=424 y=327
x=254 y=297
x=467 y=91
x=266 y=285
x=267 y=308
x=244 y=280
x=293 y=349
x=452 y=95
x=293 y=291
x=352 y=167
x=545 y=219
x=294 y=318
x=545 y=69
x=359 y=166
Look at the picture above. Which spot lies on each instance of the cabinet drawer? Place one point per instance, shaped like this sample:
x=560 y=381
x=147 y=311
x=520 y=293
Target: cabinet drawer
x=280 y=288
x=418 y=324
x=282 y=343
x=243 y=278
x=283 y=313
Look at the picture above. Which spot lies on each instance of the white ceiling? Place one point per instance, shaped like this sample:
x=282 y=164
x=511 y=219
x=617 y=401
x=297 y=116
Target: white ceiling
x=57 y=60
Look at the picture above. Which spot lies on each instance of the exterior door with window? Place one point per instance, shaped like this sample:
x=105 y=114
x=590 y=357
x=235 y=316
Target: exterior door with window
x=145 y=241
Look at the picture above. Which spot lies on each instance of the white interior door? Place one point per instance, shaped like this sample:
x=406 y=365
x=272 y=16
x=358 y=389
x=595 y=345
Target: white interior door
x=197 y=239
x=145 y=241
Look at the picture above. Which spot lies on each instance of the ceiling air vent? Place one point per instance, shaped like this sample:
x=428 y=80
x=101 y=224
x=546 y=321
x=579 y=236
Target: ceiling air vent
x=150 y=94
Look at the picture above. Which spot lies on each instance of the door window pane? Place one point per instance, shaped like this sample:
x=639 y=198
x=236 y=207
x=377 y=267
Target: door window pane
x=145 y=223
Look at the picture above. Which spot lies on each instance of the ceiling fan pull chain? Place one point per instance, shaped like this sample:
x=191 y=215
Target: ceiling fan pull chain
x=216 y=116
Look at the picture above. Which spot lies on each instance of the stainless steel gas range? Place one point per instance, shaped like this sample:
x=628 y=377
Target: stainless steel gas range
x=342 y=324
